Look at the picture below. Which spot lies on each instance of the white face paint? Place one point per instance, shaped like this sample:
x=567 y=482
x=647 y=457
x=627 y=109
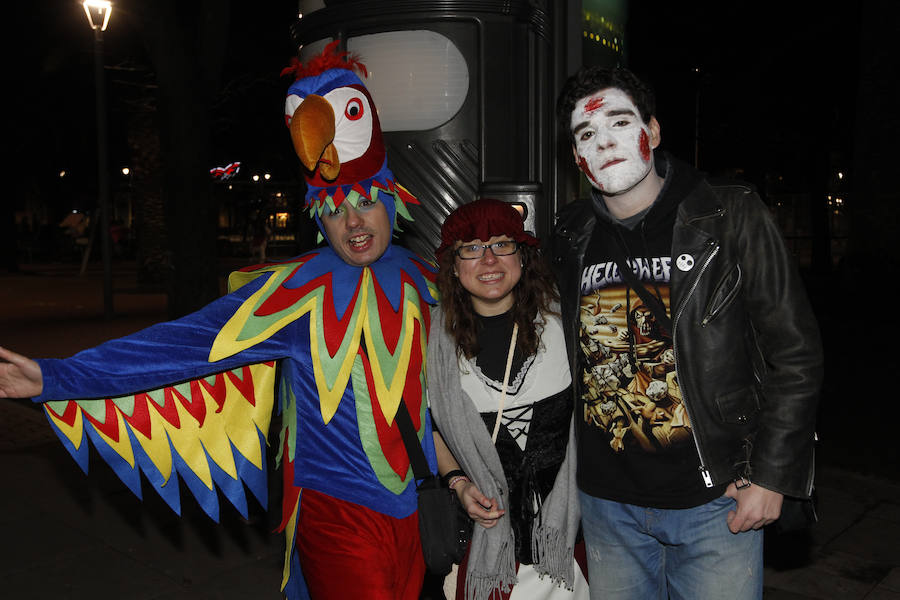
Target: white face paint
x=613 y=146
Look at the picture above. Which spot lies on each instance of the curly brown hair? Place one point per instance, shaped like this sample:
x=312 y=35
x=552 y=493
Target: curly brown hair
x=534 y=294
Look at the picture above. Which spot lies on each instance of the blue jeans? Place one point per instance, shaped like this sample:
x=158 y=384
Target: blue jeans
x=639 y=553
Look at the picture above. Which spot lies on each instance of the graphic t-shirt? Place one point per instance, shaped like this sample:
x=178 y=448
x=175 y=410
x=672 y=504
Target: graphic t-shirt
x=636 y=444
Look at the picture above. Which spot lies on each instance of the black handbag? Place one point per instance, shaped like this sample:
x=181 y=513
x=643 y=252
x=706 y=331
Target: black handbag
x=443 y=526
x=797 y=514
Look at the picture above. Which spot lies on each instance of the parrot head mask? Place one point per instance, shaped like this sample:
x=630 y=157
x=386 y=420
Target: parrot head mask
x=337 y=136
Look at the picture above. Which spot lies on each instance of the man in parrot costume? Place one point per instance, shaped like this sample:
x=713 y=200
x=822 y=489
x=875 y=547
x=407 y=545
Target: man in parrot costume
x=332 y=340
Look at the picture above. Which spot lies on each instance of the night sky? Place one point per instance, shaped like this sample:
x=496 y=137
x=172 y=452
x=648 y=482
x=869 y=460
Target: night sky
x=777 y=87
x=777 y=81
x=55 y=128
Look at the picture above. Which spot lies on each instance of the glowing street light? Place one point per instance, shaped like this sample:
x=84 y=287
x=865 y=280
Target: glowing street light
x=98 y=12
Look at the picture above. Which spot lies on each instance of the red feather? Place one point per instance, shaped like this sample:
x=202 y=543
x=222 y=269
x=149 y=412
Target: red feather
x=291 y=492
x=330 y=58
x=388 y=435
x=245 y=385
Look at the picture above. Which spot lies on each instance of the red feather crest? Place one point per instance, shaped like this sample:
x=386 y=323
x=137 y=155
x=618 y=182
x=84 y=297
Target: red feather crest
x=330 y=58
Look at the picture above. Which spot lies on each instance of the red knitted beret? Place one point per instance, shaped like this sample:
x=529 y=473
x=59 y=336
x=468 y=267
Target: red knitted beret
x=481 y=220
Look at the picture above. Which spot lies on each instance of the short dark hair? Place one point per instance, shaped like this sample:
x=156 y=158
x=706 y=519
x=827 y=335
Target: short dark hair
x=590 y=80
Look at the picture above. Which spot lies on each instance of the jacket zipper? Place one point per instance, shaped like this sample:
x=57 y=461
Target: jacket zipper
x=704 y=471
x=725 y=302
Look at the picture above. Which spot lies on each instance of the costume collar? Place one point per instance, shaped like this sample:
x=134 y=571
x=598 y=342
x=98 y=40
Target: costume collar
x=389 y=271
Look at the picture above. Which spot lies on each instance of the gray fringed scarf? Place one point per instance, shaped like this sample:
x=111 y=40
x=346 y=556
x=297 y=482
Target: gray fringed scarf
x=491 y=556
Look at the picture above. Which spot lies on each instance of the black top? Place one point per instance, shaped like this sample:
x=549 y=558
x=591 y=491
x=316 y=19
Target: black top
x=635 y=438
x=530 y=473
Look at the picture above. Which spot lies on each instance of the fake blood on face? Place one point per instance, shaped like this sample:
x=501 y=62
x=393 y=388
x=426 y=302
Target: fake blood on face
x=644 y=145
x=582 y=164
x=594 y=104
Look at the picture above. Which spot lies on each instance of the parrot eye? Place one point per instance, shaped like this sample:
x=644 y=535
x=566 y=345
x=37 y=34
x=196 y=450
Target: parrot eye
x=354 y=110
x=291 y=103
x=354 y=119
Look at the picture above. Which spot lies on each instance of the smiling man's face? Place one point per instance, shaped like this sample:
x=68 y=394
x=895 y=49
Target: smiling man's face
x=612 y=145
x=359 y=235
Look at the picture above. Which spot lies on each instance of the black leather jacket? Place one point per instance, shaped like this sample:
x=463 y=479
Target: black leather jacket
x=747 y=344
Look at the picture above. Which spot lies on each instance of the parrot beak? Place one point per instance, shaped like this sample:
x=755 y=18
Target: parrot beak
x=312 y=131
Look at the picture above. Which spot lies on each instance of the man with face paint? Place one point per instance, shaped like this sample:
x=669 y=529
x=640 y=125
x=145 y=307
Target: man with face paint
x=673 y=503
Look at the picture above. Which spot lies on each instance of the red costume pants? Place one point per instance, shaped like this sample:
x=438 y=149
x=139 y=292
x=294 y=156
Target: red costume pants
x=349 y=551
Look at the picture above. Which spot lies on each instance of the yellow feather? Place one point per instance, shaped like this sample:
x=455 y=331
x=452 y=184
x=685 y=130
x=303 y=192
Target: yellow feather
x=187 y=444
x=123 y=445
x=330 y=397
x=289 y=533
x=389 y=396
x=75 y=432
x=237 y=412
x=157 y=448
x=214 y=437
x=227 y=343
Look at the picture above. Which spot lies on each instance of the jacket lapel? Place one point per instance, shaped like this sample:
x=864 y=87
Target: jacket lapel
x=694 y=239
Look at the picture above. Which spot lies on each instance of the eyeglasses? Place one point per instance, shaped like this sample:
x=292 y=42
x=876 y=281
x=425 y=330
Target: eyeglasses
x=473 y=251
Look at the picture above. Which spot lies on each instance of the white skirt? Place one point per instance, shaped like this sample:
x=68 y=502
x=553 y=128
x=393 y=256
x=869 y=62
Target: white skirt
x=531 y=586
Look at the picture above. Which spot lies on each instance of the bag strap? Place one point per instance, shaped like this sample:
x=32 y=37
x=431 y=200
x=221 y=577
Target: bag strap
x=509 y=359
x=409 y=436
x=411 y=441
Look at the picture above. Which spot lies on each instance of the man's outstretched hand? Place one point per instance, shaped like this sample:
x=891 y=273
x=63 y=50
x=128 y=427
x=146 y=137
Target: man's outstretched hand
x=20 y=377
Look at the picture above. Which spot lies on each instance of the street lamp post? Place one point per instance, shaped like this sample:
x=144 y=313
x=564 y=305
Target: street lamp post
x=98 y=12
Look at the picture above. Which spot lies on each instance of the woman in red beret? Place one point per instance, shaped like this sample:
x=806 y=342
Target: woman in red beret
x=499 y=389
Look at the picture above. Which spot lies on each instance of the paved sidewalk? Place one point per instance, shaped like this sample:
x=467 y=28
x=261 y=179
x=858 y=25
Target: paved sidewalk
x=71 y=536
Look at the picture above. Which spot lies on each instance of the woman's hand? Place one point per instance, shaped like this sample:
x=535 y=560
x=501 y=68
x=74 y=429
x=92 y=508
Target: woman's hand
x=483 y=510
